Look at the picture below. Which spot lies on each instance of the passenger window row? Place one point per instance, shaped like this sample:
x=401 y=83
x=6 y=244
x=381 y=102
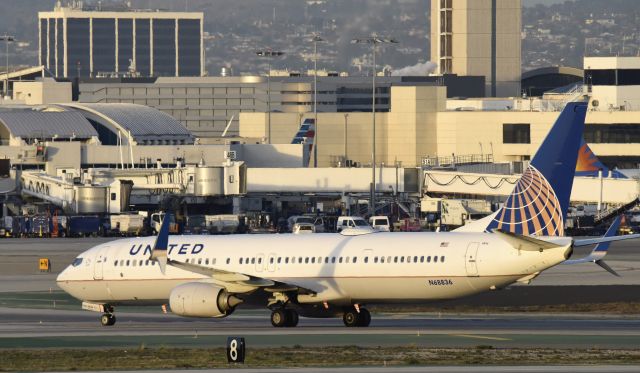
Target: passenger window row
x=340 y=259
x=141 y=262
x=133 y=263
x=294 y=260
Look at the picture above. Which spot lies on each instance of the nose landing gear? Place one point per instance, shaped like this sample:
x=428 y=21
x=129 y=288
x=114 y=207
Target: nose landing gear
x=108 y=319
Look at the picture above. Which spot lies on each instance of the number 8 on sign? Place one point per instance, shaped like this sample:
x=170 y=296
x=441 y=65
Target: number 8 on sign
x=235 y=350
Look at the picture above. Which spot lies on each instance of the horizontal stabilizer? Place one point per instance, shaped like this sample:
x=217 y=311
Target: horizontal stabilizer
x=600 y=251
x=525 y=243
x=593 y=241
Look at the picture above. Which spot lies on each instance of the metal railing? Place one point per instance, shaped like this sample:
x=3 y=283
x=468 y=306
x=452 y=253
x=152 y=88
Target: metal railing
x=453 y=160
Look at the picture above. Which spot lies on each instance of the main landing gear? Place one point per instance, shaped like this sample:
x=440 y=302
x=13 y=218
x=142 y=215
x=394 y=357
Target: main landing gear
x=353 y=318
x=282 y=317
x=108 y=319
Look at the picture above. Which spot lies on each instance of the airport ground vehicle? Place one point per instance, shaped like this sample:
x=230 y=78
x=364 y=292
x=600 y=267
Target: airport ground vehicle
x=408 y=225
x=380 y=223
x=292 y=220
x=224 y=224
x=126 y=224
x=83 y=225
x=345 y=222
x=337 y=274
x=303 y=228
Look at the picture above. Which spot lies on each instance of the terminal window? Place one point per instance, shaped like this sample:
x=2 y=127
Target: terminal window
x=612 y=133
x=613 y=77
x=516 y=133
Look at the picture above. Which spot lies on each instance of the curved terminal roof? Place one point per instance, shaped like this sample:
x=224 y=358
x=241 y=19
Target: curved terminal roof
x=541 y=81
x=550 y=70
x=41 y=124
x=145 y=125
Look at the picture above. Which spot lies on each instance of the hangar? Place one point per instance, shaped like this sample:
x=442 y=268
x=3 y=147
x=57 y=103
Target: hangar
x=105 y=124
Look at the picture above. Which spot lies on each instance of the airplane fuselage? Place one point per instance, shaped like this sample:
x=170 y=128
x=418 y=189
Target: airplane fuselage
x=377 y=267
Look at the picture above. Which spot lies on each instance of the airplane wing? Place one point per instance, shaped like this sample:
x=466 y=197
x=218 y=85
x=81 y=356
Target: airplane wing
x=240 y=281
x=233 y=281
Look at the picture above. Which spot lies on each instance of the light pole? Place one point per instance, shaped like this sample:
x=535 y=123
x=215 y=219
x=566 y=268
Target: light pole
x=269 y=54
x=6 y=38
x=346 y=115
x=316 y=39
x=373 y=41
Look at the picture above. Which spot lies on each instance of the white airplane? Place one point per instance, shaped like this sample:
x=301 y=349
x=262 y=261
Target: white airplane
x=332 y=275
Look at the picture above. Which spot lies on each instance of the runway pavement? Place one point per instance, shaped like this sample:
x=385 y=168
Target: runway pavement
x=39 y=328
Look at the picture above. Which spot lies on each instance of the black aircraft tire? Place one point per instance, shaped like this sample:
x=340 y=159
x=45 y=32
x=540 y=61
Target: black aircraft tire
x=364 y=319
x=350 y=318
x=279 y=318
x=292 y=319
x=112 y=319
x=105 y=320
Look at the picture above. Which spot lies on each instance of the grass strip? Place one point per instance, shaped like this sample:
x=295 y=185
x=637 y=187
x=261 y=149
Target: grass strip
x=299 y=356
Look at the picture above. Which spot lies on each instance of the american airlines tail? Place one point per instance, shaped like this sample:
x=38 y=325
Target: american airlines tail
x=306 y=135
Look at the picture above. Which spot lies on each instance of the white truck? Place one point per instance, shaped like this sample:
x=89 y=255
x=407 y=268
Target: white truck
x=455 y=212
x=222 y=224
x=126 y=224
x=353 y=222
x=380 y=223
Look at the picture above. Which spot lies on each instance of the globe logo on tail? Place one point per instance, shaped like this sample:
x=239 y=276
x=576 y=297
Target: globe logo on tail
x=531 y=209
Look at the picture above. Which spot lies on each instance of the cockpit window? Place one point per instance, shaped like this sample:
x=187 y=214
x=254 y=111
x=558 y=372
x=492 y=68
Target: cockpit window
x=76 y=262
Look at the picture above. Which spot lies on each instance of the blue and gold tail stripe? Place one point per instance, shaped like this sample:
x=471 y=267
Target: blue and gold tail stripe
x=532 y=209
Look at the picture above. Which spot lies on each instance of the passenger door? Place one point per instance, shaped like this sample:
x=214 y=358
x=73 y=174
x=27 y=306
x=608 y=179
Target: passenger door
x=98 y=264
x=471 y=260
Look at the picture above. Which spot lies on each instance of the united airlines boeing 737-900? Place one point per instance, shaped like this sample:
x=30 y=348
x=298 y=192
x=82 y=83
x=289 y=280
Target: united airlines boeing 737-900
x=332 y=275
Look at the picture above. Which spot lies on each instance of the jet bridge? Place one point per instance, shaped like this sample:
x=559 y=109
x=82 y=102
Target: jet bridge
x=607 y=190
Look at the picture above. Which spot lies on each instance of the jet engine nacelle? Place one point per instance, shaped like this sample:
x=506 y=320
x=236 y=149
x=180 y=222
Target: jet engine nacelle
x=196 y=299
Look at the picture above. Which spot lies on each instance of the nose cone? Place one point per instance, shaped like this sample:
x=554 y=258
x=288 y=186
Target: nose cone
x=62 y=280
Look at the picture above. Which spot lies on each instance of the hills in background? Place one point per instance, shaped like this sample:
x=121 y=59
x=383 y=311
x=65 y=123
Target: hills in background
x=553 y=33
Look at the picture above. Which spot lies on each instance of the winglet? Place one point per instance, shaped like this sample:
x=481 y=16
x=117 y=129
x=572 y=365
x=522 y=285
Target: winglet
x=159 y=251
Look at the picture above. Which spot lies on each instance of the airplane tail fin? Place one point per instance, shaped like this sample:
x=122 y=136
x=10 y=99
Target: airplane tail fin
x=589 y=165
x=539 y=202
x=306 y=135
